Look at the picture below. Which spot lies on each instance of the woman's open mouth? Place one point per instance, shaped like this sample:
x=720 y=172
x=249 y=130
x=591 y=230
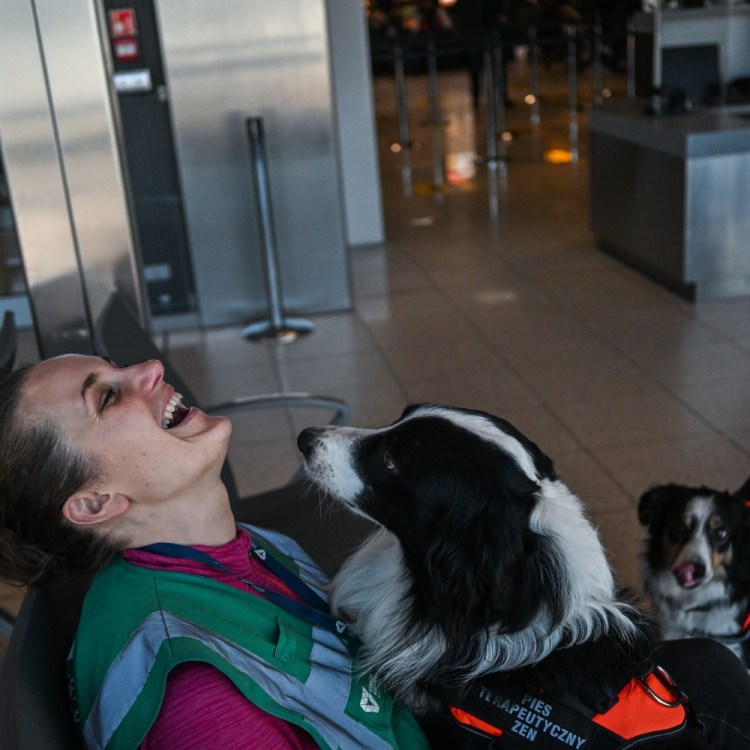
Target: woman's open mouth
x=175 y=412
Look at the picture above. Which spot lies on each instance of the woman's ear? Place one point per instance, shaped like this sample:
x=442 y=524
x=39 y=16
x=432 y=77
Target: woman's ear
x=89 y=508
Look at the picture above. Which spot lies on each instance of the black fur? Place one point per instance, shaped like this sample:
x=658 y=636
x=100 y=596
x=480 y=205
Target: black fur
x=468 y=544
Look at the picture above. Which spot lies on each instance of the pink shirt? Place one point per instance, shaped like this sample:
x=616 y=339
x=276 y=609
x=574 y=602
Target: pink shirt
x=202 y=708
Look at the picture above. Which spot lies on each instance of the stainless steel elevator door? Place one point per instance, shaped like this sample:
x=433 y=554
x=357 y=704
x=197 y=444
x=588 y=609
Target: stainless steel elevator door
x=227 y=61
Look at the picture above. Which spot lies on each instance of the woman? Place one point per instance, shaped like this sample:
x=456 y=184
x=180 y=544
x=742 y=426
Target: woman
x=194 y=633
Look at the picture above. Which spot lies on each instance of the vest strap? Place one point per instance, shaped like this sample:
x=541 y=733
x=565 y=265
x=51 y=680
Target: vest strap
x=312 y=608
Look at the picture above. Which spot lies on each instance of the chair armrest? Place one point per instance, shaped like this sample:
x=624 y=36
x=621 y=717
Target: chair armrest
x=280 y=401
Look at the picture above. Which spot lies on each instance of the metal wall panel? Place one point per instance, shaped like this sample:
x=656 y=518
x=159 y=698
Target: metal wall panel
x=37 y=185
x=60 y=148
x=87 y=130
x=227 y=61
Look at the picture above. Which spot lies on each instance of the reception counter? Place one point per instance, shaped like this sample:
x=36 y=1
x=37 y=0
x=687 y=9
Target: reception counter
x=670 y=194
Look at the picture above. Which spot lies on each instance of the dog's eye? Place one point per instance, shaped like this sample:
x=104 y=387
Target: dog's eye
x=720 y=534
x=388 y=461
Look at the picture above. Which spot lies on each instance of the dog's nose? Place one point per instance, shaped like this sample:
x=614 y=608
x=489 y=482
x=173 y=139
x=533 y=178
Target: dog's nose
x=306 y=439
x=689 y=573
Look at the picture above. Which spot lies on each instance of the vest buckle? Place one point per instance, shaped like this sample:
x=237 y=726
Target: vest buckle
x=666 y=680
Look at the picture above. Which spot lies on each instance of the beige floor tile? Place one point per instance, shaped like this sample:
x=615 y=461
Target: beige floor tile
x=606 y=376
x=262 y=466
x=731 y=317
x=706 y=459
x=630 y=420
x=329 y=374
x=542 y=427
x=426 y=362
x=592 y=483
x=725 y=405
x=622 y=537
x=494 y=392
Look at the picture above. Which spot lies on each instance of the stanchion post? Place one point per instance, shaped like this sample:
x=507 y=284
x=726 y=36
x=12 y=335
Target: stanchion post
x=489 y=105
x=499 y=76
x=630 y=47
x=572 y=40
x=436 y=124
x=433 y=91
x=403 y=119
x=656 y=72
x=534 y=74
x=277 y=326
x=598 y=70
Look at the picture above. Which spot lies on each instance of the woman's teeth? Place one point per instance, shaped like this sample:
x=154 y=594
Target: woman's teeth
x=168 y=417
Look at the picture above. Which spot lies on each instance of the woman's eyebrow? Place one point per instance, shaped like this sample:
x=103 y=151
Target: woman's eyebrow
x=93 y=377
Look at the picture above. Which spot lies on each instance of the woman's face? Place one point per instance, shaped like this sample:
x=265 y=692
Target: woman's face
x=121 y=418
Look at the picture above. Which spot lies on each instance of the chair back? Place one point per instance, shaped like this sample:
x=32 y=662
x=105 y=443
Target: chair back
x=8 y=343
x=35 y=711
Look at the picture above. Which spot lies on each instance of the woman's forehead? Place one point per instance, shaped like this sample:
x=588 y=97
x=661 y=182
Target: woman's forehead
x=60 y=377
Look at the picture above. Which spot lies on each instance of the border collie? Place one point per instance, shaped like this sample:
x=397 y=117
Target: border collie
x=697 y=562
x=485 y=570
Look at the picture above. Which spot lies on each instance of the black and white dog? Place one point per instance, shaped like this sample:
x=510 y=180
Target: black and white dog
x=697 y=562
x=485 y=564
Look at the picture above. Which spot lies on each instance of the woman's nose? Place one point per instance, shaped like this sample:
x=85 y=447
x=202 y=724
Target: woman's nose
x=147 y=375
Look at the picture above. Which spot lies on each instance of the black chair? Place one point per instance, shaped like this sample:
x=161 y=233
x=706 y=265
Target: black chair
x=34 y=709
x=8 y=343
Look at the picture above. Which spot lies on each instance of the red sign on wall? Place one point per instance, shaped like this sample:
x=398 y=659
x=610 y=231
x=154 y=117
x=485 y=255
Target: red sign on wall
x=122 y=23
x=125 y=48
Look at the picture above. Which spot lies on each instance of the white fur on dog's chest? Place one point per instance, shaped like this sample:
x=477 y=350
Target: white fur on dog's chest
x=690 y=614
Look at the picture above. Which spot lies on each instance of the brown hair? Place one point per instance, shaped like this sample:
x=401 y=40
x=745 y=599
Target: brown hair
x=38 y=473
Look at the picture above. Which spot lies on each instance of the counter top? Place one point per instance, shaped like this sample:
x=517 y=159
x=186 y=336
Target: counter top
x=643 y=22
x=699 y=133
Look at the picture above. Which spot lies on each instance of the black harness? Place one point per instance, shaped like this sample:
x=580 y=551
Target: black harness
x=645 y=708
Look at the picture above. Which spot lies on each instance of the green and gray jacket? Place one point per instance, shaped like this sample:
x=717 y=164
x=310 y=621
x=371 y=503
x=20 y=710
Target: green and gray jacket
x=137 y=624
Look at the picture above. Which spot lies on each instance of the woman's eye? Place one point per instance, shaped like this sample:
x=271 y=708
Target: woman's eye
x=388 y=461
x=107 y=398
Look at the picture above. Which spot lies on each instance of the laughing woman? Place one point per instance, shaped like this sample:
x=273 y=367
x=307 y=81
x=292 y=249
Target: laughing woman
x=195 y=633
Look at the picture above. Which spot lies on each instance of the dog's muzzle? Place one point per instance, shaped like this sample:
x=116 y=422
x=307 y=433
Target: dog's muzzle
x=329 y=460
x=307 y=439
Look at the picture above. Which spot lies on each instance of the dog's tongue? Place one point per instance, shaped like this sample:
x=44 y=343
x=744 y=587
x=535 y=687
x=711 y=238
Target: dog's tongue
x=684 y=572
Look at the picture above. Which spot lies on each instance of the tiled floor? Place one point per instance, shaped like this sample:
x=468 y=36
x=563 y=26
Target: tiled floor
x=503 y=303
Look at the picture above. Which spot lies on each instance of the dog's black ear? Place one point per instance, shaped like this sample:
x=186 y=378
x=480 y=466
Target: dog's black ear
x=653 y=502
x=744 y=491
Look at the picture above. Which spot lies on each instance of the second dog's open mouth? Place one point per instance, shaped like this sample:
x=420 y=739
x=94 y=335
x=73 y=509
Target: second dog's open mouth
x=687 y=574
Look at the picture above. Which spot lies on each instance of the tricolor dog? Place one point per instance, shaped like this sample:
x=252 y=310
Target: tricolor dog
x=485 y=596
x=697 y=562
